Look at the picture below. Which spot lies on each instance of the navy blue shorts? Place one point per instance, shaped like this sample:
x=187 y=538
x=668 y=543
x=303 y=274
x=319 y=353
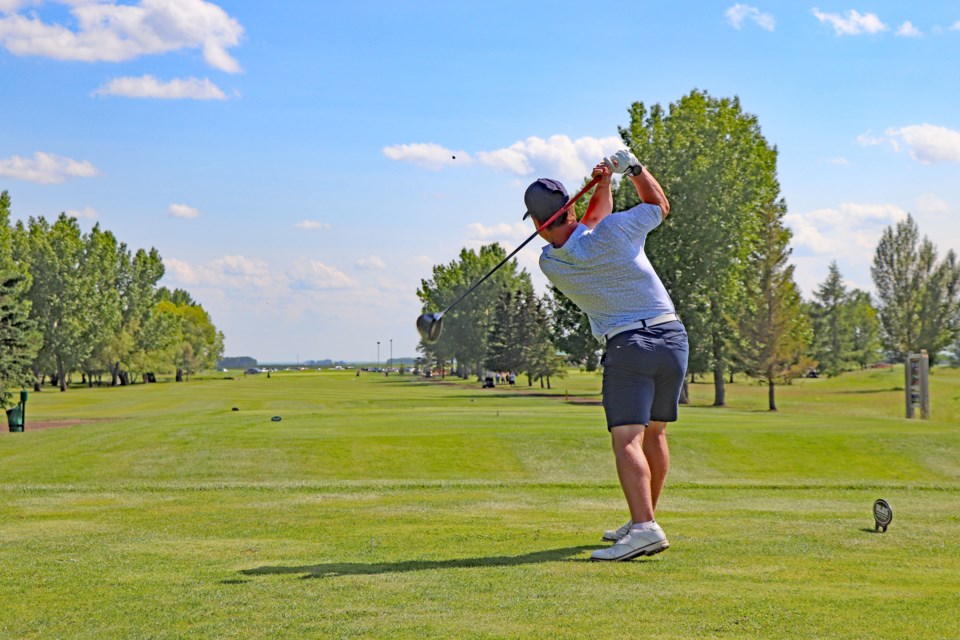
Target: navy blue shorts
x=643 y=372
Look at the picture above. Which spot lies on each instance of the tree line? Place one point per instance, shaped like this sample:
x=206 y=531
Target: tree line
x=74 y=302
x=724 y=256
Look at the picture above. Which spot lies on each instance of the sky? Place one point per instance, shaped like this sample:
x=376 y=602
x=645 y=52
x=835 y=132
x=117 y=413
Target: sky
x=301 y=166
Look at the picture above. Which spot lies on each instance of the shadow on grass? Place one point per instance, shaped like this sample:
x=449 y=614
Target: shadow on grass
x=332 y=569
x=868 y=391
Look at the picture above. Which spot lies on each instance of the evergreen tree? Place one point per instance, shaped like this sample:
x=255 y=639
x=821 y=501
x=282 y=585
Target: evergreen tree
x=19 y=340
x=832 y=334
x=572 y=332
x=775 y=333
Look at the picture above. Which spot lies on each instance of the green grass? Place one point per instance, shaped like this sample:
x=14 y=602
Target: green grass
x=389 y=508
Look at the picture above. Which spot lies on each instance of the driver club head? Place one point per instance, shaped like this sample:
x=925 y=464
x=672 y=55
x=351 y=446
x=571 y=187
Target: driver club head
x=429 y=326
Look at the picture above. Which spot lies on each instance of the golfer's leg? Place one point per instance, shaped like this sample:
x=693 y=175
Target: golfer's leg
x=657 y=453
x=633 y=470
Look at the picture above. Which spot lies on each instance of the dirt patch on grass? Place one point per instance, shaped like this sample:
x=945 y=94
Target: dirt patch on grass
x=39 y=425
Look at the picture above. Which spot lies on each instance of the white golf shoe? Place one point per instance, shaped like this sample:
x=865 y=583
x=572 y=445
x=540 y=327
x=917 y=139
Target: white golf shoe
x=645 y=542
x=615 y=534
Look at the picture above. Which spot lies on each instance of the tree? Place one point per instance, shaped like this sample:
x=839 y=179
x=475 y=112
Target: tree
x=199 y=344
x=19 y=340
x=832 y=337
x=541 y=360
x=919 y=297
x=864 y=327
x=60 y=296
x=572 y=332
x=100 y=269
x=466 y=327
x=774 y=331
x=719 y=173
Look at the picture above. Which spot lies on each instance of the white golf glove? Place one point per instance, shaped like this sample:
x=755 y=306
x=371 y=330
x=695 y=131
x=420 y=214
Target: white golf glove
x=625 y=162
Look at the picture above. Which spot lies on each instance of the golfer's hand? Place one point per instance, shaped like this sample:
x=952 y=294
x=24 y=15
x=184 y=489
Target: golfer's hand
x=603 y=171
x=622 y=161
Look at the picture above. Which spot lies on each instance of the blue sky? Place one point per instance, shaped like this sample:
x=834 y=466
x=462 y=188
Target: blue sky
x=292 y=161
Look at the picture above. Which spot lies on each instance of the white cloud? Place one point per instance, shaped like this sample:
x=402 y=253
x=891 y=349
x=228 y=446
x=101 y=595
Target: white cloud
x=907 y=30
x=557 y=156
x=869 y=140
x=312 y=224
x=428 y=155
x=108 y=32
x=45 y=168
x=373 y=262
x=9 y=6
x=228 y=272
x=839 y=160
x=183 y=211
x=739 y=12
x=313 y=275
x=850 y=230
x=501 y=231
x=931 y=204
x=854 y=24
x=956 y=26
x=928 y=144
x=149 y=87
x=87 y=213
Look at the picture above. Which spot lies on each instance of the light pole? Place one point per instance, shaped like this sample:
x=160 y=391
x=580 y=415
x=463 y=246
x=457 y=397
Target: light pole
x=390 y=366
x=378 y=354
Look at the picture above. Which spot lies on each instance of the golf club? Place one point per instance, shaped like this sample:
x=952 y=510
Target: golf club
x=430 y=324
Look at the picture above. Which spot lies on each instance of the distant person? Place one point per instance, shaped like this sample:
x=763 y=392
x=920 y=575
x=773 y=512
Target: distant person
x=599 y=263
x=512 y=379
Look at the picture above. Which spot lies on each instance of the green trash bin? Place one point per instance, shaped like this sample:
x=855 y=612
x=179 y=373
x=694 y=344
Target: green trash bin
x=15 y=418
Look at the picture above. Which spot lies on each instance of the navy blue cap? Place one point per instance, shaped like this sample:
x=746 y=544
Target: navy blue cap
x=544 y=198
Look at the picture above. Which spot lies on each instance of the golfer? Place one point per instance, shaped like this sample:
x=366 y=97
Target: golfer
x=600 y=264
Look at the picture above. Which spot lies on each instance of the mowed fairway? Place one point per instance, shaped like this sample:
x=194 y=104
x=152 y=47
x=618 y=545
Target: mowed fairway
x=390 y=508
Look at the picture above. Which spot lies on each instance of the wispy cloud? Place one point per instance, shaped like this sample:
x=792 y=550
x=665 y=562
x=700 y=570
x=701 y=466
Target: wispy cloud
x=854 y=24
x=850 y=230
x=183 y=211
x=313 y=275
x=112 y=32
x=149 y=87
x=373 y=263
x=558 y=156
x=739 y=13
x=312 y=224
x=931 y=204
x=428 y=155
x=87 y=213
x=45 y=168
x=907 y=30
x=927 y=143
x=839 y=160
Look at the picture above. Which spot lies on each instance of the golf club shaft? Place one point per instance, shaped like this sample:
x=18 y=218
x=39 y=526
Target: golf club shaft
x=546 y=224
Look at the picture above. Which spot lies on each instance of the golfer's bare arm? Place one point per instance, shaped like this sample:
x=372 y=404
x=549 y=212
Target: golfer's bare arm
x=650 y=191
x=601 y=202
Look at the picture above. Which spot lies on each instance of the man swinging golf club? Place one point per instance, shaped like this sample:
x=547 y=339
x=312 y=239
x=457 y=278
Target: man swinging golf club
x=600 y=264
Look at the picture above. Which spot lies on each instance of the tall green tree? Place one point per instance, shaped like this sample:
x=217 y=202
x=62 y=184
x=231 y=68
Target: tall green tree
x=100 y=269
x=720 y=175
x=775 y=333
x=918 y=295
x=19 y=340
x=467 y=326
x=832 y=335
x=61 y=298
x=199 y=343
x=864 y=328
